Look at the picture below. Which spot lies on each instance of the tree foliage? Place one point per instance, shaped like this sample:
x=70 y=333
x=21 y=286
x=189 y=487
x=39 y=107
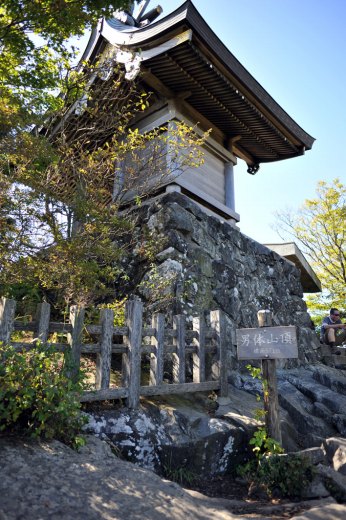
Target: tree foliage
x=35 y=51
x=319 y=226
x=64 y=180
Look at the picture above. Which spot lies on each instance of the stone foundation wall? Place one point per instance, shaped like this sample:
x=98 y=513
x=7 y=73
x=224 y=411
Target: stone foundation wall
x=200 y=263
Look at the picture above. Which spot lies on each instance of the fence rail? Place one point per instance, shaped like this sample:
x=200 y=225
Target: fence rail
x=132 y=341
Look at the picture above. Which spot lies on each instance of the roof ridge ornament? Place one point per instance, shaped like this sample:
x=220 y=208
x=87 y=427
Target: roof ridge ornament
x=140 y=9
x=137 y=17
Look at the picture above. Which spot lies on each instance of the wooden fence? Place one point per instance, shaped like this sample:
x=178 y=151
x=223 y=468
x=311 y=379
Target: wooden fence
x=178 y=342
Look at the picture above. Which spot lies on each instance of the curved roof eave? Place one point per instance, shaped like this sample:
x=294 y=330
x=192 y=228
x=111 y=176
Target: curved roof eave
x=187 y=15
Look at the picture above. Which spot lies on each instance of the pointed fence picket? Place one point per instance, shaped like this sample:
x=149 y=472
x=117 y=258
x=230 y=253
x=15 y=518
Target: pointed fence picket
x=178 y=343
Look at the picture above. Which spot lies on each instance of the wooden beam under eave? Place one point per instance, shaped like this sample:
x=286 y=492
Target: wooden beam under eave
x=206 y=125
x=236 y=150
x=155 y=83
x=179 y=99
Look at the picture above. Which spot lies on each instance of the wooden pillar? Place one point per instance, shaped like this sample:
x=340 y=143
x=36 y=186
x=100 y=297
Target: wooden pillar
x=42 y=322
x=104 y=358
x=198 y=358
x=157 y=358
x=75 y=340
x=270 y=393
x=7 y=311
x=179 y=343
x=132 y=359
x=219 y=368
x=229 y=186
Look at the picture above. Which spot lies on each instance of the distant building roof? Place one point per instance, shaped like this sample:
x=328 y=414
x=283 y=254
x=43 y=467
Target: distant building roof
x=290 y=251
x=181 y=54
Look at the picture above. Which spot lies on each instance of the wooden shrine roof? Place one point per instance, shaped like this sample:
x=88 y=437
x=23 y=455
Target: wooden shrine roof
x=182 y=58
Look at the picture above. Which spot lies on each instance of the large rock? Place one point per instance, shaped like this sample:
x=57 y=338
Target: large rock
x=336 y=452
x=48 y=480
x=177 y=434
x=334 y=481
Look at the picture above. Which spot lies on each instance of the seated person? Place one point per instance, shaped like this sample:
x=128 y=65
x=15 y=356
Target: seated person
x=331 y=330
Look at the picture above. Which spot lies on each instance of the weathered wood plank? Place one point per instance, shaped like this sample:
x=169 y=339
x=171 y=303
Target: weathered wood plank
x=172 y=349
x=270 y=396
x=132 y=359
x=104 y=395
x=64 y=328
x=165 y=389
x=21 y=346
x=104 y=358
x=148 y=331
x=157 y=357
x=42 y=322
x=74 y=339
x=219 y=367
x=198 y=357
x=190 y=334
x=7 y=311
x=94 y=348
x=90 y=348
x=179 y=343
x=32 y=326
x=264 y=318
x=117 y=331
x=270 y=399
x=267 y=343
x=23 y=326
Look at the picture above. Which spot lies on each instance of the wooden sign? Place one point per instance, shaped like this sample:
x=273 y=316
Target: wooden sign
x=267 y=343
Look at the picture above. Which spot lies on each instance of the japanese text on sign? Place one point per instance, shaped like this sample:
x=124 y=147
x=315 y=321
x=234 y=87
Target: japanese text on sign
x=271 y=343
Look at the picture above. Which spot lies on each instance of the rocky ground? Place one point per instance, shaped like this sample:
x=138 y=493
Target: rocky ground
x=41 y=480
x=50 y=481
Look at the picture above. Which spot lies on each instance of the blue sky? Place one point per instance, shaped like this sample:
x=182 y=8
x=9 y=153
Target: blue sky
x=296 y=49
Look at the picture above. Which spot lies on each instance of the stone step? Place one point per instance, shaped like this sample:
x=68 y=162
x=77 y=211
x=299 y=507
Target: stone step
x=317 y=392
x=329 y=377
x=340 y=361
x=316 y=399
x=335 y=361
x=325 y=351
x=307 y=421
x=328 y=355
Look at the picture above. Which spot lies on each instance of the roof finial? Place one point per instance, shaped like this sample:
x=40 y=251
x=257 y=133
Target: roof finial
x=138 y=18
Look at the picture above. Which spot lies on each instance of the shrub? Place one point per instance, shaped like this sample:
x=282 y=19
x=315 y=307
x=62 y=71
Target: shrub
x=280 y=475
x=273 y=471
x=36 y=396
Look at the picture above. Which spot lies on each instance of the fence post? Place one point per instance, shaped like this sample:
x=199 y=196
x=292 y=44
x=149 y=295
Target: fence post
x=7 y=310
x=42 y=322
x=179 y=343
x=270 y=397
x=198 y=358
x=156 y=358
x=104 y=358
x=132 y=359
x=75 y=340
x=219 y=368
